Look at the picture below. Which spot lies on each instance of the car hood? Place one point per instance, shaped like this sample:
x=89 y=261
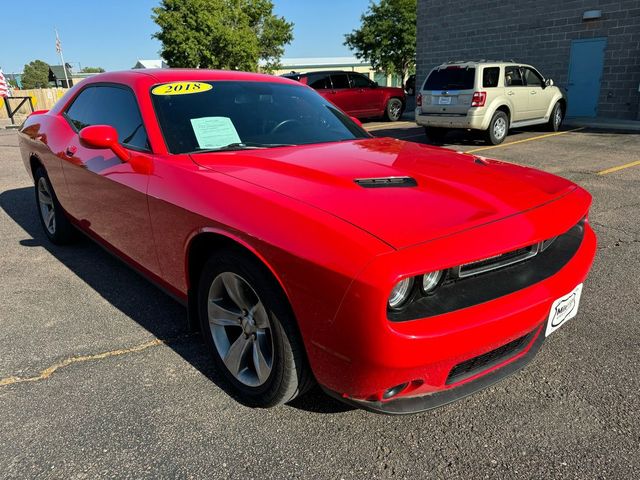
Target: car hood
x=453 y=191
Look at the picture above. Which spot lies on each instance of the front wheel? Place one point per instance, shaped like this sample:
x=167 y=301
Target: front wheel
x=250 y=330
x=498 y=128
x=54 y=221
x=393 y=112
x=555 y=120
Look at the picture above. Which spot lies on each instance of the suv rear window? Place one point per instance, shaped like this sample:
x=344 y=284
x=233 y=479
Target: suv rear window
x=451 y=78
x=490 y=77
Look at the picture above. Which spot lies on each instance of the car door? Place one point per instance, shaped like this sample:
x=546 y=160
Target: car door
x=516 y=91
x=367 y=96
x=538 y=96
x=108 y=195
x=341 y=94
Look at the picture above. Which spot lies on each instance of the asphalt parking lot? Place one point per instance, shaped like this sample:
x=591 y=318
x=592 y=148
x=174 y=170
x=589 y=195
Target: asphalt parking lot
x=99 y=376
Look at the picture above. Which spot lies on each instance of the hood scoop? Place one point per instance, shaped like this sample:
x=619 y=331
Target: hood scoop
x=386 y=182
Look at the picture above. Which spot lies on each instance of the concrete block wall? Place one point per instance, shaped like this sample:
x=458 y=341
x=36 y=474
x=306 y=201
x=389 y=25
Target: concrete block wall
x=538 y=33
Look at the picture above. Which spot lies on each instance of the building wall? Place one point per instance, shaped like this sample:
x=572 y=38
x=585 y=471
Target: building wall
x=538 y=33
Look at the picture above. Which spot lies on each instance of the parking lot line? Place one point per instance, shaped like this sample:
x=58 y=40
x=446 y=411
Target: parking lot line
x=390 y=126
x=47 y=372
x=539 y=137
x=619 y=167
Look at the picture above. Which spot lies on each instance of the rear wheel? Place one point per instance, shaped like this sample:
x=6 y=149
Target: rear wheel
x=555 y=120
x=250 y=330
x=393 y=112
x=435 y=134
x=54 y=221
x=498 y=128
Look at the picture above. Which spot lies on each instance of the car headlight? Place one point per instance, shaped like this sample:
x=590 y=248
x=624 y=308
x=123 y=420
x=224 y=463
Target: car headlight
x=431 y=280
x=400 y=293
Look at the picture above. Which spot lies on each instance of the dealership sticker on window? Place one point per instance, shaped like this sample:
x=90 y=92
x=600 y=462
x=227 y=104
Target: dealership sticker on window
x=563 y=309
x=181 y=88
x=214 y=132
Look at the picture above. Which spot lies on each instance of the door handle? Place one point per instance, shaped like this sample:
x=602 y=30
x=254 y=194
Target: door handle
x=533 y=92
x=71 y=151
x=510 y=92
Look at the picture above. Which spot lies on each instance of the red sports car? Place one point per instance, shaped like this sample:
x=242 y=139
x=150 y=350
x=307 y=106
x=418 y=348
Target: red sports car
x=355 y=94
x=398 y=276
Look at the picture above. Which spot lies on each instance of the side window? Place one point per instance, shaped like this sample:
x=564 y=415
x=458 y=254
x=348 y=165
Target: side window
x=113 y=106
x=359 y=81
x=79 y=111
x=340 y=80
x=513 y=77
x=319 y=81
x=490 y=77
x=532 y=77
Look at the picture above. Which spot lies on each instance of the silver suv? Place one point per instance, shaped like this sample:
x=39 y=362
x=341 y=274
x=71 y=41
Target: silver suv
x=488 y=96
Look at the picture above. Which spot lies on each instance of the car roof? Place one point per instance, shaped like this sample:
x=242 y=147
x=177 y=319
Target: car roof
x=162 y=75
x=474 y=63
x=300 y=74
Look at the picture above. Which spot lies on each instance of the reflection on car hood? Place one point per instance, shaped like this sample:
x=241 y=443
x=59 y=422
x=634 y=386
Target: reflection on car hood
x=454 y=191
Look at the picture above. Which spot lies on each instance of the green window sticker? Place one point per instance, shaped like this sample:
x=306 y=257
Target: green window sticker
x=214 y=132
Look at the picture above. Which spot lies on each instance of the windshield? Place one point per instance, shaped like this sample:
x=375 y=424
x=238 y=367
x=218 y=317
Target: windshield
x=230 y=115
x=451 y=78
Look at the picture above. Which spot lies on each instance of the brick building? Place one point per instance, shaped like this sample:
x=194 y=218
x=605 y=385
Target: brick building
x=589 y=47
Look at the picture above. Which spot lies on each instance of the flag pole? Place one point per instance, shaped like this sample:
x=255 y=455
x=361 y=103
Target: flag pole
x=64 y=67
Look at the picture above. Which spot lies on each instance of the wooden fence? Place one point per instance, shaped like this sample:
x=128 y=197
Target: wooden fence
x=42 y=98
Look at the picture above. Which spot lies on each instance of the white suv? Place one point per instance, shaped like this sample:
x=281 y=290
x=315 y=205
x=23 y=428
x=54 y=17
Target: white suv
x=488 y=96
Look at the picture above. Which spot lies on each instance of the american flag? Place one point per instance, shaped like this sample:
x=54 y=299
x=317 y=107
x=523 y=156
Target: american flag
x=58 y=44
x=4 y=89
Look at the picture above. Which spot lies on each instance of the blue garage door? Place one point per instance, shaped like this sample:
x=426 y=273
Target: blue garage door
x=585 y=74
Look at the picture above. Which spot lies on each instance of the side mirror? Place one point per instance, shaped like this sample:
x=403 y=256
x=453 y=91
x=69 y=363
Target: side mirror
x=548 y=82
x=356 y=121
x=375 y=84
x=103 y=136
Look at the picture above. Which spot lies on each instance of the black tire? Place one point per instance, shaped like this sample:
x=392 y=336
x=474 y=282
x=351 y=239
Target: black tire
x=53 y=219
x=498 y=128
x=436 y=135
x=555 y=120
x=394 y=109
x=290 y=374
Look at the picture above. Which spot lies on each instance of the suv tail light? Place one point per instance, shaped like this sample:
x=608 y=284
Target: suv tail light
x=419 y=100
x=478 y=99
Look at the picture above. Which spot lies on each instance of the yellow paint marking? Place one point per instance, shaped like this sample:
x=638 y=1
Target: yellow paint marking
x=539 y=137
x=619 y=167
x=47 y=372
x=390 y=126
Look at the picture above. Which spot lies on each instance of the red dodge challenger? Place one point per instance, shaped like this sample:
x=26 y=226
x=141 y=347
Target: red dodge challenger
x=398 y=276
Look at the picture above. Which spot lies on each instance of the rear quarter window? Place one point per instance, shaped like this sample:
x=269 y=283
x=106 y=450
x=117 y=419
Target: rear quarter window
x=451 y=78
x=490 y=76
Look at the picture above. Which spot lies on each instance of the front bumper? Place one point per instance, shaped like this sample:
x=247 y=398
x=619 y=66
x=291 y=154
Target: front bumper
x=416 y=404
x=363 y=354
x=468 y=121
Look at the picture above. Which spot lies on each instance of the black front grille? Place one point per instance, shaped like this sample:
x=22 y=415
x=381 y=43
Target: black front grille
x=458 y=293
x=479 y=364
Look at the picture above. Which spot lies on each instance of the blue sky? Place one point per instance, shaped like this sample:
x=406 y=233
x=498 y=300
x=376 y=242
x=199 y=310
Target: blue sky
x=113 y=34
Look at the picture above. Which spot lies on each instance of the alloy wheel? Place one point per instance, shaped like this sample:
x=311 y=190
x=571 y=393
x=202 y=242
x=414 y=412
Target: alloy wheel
x=47 y=208
x=499 y=128
x=241 y=329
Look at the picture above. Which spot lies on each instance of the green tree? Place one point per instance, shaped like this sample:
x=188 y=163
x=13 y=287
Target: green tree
x=35 y=75
x=92 y=70
x=387 y=36
x=226 y=34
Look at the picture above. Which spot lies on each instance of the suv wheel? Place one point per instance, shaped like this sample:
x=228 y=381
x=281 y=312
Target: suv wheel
x=498 y=128
x=555 y=120
x=393 y=112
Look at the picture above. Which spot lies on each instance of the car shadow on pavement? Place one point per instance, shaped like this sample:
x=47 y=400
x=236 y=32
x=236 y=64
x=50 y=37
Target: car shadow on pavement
x=137 y=298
